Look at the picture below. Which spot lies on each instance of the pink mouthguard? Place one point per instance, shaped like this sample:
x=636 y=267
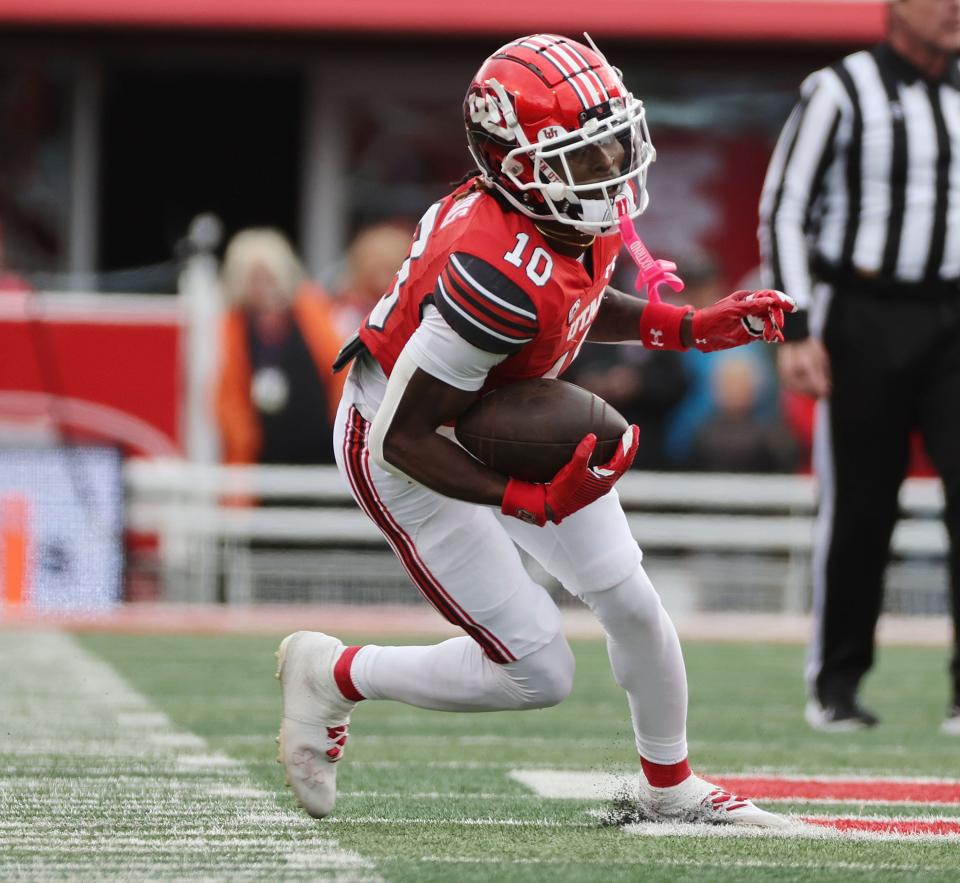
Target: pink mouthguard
x=653 y=273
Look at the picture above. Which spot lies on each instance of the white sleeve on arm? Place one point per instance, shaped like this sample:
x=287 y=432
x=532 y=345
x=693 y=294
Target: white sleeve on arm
x=792 y=184
x=442 y=353
x=437 y=349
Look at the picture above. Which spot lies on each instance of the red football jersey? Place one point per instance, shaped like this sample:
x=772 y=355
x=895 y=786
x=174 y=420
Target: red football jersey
x=496 y=281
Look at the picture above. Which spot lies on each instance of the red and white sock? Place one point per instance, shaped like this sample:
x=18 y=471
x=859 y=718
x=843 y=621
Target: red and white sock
x=665 y=775
x=343 y=676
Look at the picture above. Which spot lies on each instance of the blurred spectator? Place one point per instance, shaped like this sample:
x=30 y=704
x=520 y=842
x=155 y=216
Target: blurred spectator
x=799 y=414
x=734 y=438
x=10 y=282
x=276 y=395
x=704 y=286
x=35 y=159
x=373 y=259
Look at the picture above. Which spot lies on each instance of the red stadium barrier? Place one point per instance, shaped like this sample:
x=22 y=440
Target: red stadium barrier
x=730 y=20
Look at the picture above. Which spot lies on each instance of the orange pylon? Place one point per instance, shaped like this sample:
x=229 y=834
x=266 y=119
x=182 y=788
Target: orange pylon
x=13 y=548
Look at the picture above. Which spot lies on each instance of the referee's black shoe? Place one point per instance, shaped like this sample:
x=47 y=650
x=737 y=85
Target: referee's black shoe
x=839 y=715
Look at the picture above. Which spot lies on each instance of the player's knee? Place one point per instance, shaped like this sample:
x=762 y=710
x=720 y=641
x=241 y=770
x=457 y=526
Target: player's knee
x=628 y=609
x=554 y=684
x=545 y=677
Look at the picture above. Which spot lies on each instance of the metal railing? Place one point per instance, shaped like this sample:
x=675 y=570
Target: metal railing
x=266 y=533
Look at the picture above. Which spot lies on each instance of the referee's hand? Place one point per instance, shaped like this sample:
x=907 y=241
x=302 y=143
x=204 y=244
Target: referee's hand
x=804 y=367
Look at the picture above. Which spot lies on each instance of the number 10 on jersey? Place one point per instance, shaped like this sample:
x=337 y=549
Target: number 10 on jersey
x=539 y=264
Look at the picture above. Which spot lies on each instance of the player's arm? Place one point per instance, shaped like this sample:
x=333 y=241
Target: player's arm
x=411 y=445
x=618 y=320
x=478 y=318
x=736 y=319
x=810 y=141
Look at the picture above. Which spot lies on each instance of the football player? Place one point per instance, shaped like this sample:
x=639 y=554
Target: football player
x=506 y=277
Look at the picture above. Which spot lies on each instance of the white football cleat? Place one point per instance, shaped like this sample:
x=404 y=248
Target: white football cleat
x=696 y=800
x=951 y=725
x=847 y=716
x=313 y=730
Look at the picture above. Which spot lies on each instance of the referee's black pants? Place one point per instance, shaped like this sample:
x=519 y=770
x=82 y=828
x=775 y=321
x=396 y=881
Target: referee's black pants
x=896 y=368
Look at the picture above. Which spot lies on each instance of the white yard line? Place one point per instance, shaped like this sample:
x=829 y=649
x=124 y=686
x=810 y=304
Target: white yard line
x=796 y=831
x=466 y=822
x=576 y=784
x=439 y=795
x=94 y=780
x=455 y=765
x=506 y=796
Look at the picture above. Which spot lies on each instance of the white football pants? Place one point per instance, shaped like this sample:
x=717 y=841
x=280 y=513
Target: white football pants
x=462 y=558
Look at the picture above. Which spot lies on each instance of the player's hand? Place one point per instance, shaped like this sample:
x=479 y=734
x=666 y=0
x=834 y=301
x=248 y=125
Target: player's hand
x=804 y=367
x=773 y=320
x=740 y=318
x=576 y=485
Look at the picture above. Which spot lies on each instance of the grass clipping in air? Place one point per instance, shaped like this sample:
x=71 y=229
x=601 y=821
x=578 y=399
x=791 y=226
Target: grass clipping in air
x=624 y=808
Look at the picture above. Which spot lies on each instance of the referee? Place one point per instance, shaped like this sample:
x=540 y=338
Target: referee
x=860 y=223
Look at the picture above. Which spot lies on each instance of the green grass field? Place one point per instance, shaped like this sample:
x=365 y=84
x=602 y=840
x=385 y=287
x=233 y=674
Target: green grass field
x=134 y=758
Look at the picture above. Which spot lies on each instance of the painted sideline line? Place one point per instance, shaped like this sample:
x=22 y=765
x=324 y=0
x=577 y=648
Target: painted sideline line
x=906 y=827
x=579 y=785
x=841 y=790
x=419 y=619
x=835 y=777
x=190 y=813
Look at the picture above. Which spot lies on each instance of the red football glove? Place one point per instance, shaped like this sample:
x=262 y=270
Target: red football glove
x=740 y=318
x=576 y=485
x=773 y=321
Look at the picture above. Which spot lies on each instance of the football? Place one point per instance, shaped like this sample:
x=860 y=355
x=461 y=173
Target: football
x=529 y=430
x=753 y=324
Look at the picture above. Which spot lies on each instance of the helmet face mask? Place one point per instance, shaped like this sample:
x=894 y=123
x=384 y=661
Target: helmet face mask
x=537 y=111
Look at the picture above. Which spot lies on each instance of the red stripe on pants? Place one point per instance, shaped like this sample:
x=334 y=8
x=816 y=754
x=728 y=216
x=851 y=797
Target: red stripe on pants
x=356 y=456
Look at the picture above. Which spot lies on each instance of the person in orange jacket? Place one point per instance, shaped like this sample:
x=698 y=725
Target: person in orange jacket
x=372 y=260
x=276 y=393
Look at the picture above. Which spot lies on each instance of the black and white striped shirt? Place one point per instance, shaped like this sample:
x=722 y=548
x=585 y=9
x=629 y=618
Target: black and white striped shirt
x=865 y=178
